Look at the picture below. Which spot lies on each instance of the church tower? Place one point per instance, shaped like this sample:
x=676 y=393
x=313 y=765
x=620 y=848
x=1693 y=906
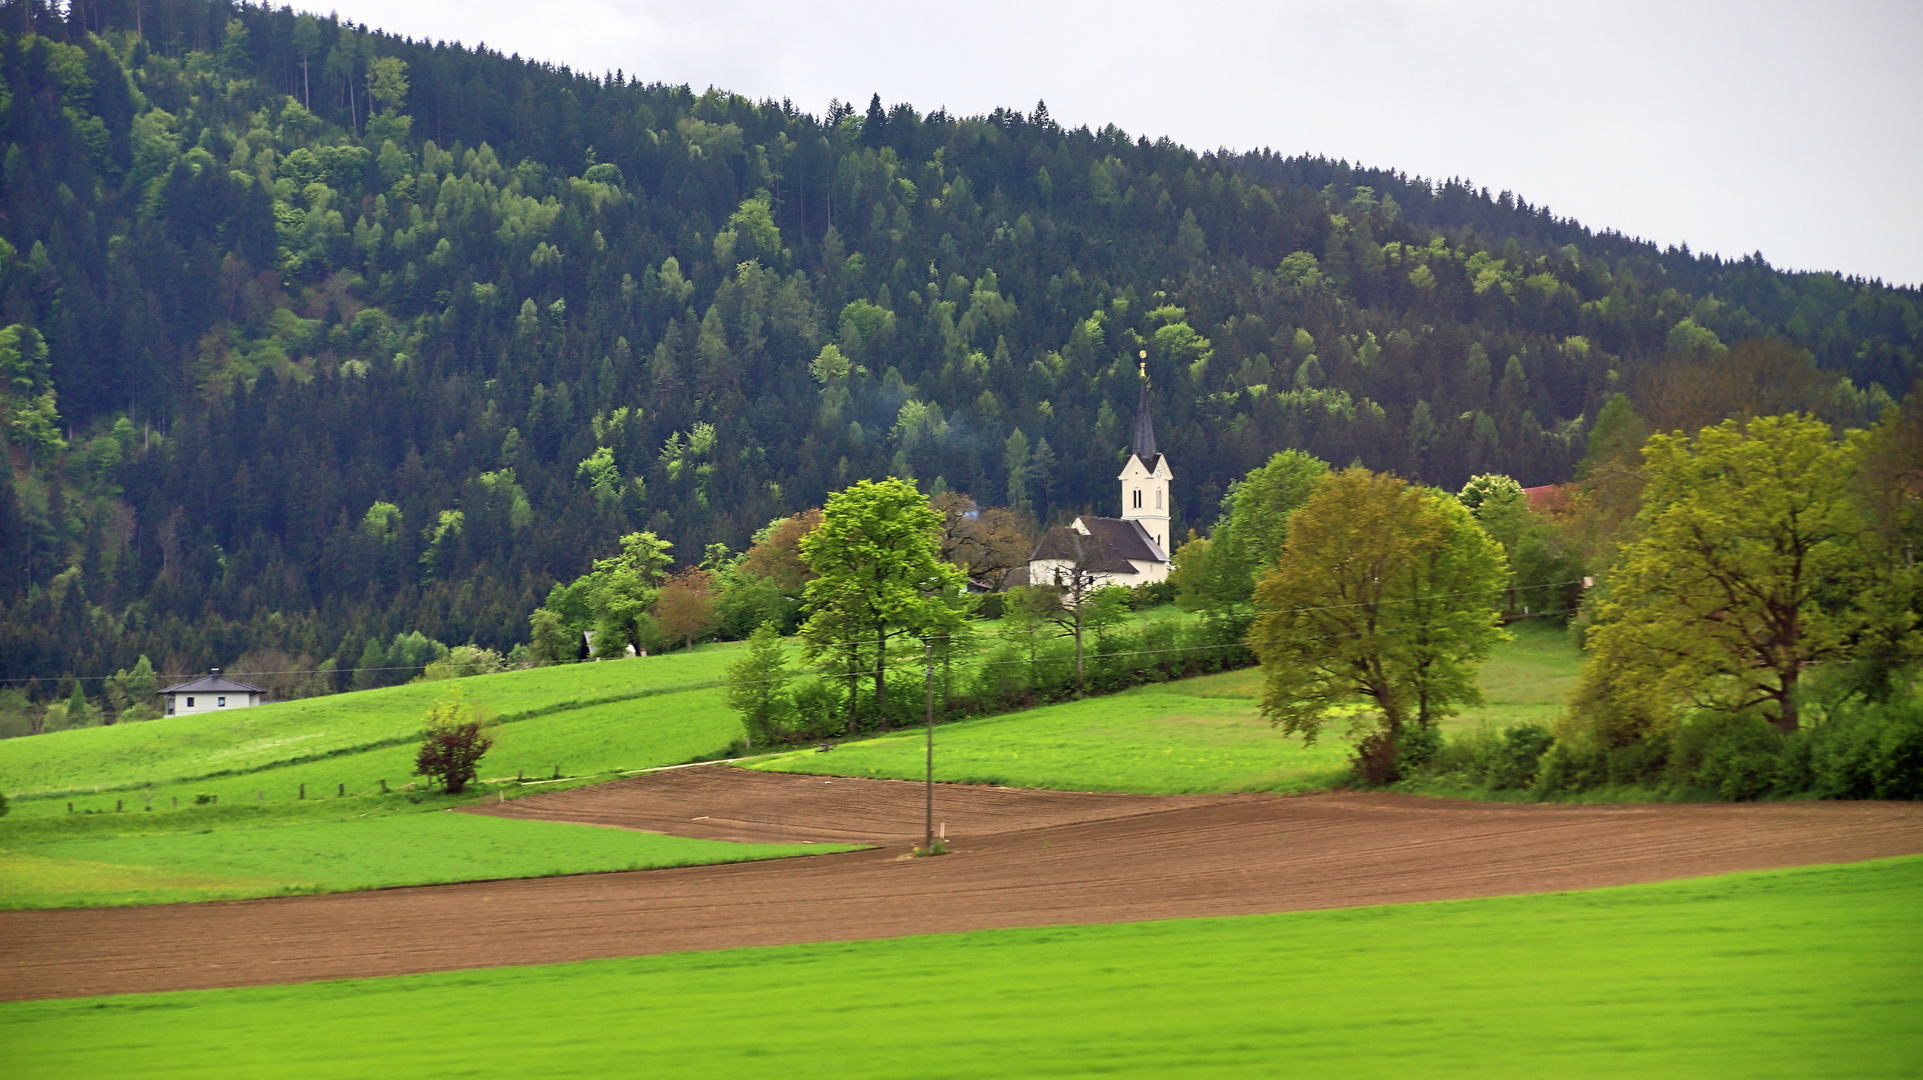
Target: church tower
x=1145 y=479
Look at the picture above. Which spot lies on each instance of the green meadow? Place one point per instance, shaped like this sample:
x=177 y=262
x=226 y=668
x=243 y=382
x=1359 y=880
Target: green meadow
x=371 y=852
x=578 y=719
x=1194 y=735
x=245 y=741
x=244 y=803
x=289 y=798
x=1806 y=973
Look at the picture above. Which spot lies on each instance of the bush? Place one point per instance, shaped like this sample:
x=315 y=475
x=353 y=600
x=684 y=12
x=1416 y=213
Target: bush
x=1861 y=751
x=1734 y=754
x=1519 y=756
x=454 y=742
x=1570 y=765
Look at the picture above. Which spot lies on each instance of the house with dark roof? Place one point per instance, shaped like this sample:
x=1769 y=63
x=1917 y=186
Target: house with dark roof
x=1127 y=550
x=210 y=693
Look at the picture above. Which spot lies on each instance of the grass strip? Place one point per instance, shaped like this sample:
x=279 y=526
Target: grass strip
x=340 y=856
x=1808 y=973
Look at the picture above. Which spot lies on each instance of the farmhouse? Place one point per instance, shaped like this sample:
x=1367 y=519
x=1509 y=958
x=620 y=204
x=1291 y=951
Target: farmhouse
x=210 y=693
x=1129 y=550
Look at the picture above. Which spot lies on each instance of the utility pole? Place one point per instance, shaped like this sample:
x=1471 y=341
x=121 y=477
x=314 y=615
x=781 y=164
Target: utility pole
x=928 y=657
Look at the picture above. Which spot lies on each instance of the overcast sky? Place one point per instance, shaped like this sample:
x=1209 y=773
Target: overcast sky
x=1793 y=129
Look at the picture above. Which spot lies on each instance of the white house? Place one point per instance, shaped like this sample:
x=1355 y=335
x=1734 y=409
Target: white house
x=1128 y=550
x=210 y=693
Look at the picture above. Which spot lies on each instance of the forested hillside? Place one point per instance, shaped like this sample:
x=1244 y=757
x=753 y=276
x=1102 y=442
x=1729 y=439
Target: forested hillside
x=316 y=335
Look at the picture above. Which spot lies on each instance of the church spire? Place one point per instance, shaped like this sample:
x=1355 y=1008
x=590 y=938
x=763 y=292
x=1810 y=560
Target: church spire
x=1144 y=425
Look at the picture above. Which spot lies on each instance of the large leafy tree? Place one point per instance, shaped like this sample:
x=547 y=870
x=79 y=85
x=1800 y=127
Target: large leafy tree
x=1385 y=594
x=1217 y=574
x=1750 y=568
x=624 y=587
x=878 y=573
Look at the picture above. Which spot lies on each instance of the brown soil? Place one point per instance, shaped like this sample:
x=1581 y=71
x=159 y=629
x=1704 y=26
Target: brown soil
x=1022 y=858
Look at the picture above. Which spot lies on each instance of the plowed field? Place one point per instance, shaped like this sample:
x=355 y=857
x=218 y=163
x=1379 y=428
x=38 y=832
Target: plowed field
x=1022 y=858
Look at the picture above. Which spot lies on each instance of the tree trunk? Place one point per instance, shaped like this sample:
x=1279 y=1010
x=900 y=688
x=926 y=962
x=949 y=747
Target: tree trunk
x=1788 y=718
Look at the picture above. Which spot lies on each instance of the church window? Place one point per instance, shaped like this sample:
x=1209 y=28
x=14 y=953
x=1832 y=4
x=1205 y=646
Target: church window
x=1158 y=498
x=1138 y=498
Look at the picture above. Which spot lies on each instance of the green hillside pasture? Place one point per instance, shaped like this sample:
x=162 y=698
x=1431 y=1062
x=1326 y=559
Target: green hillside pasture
x=1528 y=680
x=247 y=740
x=1806 y=973
x=338 y=856
x=640 y=733
x=1193 y=735
x=1161 y=739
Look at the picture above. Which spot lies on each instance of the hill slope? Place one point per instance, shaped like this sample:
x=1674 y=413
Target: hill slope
x=347 y=335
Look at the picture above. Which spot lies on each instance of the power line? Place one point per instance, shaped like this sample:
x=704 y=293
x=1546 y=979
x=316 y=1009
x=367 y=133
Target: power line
x=854 y=643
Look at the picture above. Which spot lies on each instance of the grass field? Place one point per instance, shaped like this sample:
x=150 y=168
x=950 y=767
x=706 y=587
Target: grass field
x=337 y=856
x=187 y=748
x=1806 y=973
x=134 y=842
x=1193 y=735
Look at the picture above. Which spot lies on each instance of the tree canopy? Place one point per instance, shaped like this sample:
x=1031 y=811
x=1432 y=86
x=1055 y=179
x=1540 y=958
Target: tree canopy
x=1385 y=594
x=286 y=269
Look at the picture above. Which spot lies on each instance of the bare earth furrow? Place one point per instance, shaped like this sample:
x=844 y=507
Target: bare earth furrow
x=1022 y=858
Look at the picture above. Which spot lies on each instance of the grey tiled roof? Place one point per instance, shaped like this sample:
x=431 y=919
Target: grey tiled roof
x=213 y=684
x=1106 y=549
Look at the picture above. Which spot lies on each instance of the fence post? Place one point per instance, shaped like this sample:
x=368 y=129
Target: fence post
x=383 y=787
x=303 y=791
x=343 y=789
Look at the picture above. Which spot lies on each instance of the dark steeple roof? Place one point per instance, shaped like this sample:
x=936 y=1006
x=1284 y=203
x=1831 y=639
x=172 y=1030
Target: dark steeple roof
x=1144 y=428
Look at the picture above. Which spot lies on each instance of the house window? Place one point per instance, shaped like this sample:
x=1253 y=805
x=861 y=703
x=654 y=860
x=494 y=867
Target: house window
x=190 y=703
x=220 y=703
x=1138 y=498
x=1158 y=498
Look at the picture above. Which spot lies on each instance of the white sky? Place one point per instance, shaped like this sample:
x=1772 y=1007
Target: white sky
x=1794 y=129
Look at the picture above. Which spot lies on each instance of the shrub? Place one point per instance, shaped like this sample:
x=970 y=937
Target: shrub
x=1570 y=765
x=454 y=742
x=1519 y=756
x=1734 y=754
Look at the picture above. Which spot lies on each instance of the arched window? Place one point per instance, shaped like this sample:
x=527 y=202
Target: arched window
x=1158 y=498
x=1138 y=498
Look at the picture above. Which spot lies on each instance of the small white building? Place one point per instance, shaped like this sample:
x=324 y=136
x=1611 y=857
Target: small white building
x=1130 y=550
x=210 y=693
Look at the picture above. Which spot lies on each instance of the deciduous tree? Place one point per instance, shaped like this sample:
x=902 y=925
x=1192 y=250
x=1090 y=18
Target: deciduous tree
x=454 y=741
x=685 y=606
x=1749 y=570
x=878 y=573
x=1385 y=594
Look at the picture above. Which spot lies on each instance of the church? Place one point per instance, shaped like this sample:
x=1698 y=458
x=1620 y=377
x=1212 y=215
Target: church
x=1128 y=550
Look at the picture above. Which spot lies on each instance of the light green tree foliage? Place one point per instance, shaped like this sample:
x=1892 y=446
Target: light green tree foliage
x=1615 y=440
x=133 y=691
x=758 y=687
x=624 y=586
x=1219 y=575
x=878 y=574
x=1545 y=570
x=751 y=233
x=1891 y=485
x=79 y=713
x=1015 y=457
x=31 y=407
x=549 y=639
x=1749 y=570
x=1385 y=594
x=1491 y=488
